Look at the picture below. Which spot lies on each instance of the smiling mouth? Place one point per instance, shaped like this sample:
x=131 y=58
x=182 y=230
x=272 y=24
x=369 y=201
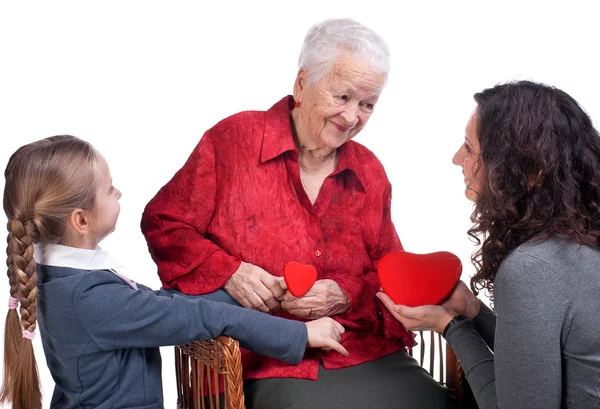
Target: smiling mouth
x=342 y=128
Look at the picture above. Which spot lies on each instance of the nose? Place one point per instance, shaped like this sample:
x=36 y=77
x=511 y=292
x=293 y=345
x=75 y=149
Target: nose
x=118 y=193
x=351 y=115
x=457 y=158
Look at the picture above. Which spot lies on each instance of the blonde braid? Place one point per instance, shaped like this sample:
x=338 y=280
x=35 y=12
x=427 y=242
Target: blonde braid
x=26 y=378
x=23 y=236
x=12 y=278
x=12 y=332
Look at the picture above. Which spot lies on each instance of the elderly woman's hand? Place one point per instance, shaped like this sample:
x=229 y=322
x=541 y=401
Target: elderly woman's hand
x=254 y=288
x=423 y=318
x=325 y=299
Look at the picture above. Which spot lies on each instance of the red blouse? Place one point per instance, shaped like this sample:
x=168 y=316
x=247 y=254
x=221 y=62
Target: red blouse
x=239 y=197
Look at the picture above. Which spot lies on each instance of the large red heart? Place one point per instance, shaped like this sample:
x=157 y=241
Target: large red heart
x=299 y=277
x=419 y=279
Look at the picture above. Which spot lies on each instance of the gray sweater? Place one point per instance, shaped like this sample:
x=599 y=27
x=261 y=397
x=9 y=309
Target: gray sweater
x=542 y=349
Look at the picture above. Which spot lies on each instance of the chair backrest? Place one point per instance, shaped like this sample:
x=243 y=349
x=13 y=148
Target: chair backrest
x=439 y=359
x=209 y=372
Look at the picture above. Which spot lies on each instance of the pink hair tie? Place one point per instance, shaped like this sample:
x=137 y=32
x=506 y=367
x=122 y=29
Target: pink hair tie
x=13 y=303
x=28 y=335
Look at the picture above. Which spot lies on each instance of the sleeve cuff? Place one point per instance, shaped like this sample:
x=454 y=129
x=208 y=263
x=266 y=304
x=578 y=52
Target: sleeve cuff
x=455 y=330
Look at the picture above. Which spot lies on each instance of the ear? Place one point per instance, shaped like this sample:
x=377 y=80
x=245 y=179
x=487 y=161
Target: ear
x=300 y=84
x=79 y=222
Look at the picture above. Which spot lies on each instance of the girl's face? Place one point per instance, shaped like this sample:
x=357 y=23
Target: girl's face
x=467 y=156
x=106 y=209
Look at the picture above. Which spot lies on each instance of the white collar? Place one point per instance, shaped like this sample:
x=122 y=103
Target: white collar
x=65 y=256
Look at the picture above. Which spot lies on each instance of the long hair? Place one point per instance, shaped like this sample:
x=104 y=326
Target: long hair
x=45 y=181
x=539 y=163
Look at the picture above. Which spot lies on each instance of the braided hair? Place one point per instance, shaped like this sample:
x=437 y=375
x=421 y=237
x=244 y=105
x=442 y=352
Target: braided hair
x=45 y=182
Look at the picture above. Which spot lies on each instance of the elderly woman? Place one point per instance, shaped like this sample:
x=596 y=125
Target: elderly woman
x=531 y=163
x=262 y=189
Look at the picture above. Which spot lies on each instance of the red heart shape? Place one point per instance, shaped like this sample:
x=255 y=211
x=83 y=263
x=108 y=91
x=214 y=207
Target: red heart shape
x=299 y=277
x=419 y=279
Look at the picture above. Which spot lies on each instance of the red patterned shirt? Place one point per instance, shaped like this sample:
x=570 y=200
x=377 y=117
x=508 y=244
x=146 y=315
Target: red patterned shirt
x=239 y=197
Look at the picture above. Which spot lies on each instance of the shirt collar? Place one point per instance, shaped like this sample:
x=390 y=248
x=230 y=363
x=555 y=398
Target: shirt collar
x=65 y=256
x=278 y=139
x=349 y=160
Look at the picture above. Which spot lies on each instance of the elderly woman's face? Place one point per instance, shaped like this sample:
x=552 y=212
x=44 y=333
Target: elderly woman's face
x=467 y=157
x=337 y=108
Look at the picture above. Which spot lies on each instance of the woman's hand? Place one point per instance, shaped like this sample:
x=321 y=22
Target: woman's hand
x=324 y=299
x=254 y=288
x=463 y=301
x=423 y=318
x=325 y=333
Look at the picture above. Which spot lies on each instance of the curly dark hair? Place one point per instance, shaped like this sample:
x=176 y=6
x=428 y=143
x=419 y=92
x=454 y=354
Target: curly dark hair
x=540 y=169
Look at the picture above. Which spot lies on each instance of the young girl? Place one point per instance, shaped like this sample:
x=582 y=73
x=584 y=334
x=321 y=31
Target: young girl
x=101 y=331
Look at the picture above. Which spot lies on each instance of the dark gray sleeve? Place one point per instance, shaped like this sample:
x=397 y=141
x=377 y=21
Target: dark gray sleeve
x=525 y=369
x=485 y=324
x=476 y=360
x=116 y=317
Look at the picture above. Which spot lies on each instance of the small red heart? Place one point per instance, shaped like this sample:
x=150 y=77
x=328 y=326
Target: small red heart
x=419 y=279
x=299 y=277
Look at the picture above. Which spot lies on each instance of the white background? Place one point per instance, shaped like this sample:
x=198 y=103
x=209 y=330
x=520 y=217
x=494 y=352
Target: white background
x=143 y=80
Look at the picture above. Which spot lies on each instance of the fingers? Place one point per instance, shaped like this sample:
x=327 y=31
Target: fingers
x=287 y=303
x=266 y=296
x=408 y=312
x=336 y=333
x=387 y=301
x=299 y=312
x=288 y=298
x=305 y=307
x=390 y=305
x=299 y=303
x=339 y=327
x=256 y=302
x=337 y=330
x=326 y=333
x=282 y=283
x=314 y=298
x=273 y=284
x=402 y=310
x=462 y=287
x=409 y=324
x=336 y=346
x=255 y=288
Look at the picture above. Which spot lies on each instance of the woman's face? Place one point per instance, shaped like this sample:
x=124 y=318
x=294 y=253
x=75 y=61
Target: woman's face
x=335 y=109
x=467 y=157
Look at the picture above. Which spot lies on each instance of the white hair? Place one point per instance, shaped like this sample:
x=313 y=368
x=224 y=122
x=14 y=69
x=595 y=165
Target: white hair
x=327 y=40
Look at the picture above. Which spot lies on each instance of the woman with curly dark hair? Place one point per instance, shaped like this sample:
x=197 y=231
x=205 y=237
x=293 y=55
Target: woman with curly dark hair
x=531 y=163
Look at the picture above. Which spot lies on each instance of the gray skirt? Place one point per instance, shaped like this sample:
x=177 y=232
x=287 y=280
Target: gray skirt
x=392 y=381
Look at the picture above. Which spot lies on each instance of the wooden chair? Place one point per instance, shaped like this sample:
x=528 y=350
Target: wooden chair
x=200 y=364
x=203 y=367
x=449 y=373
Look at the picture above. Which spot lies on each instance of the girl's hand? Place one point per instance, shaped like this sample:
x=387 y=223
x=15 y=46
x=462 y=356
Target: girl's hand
x=423 y=318
x=325 y=333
